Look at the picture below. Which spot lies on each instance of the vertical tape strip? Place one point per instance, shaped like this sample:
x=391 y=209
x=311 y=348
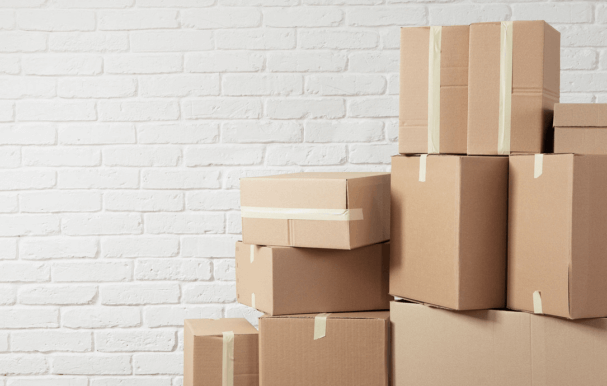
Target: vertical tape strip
x=227 y=363
x=538 y=165
x=537 y=303
x=434 y=56
x=253 y=300
x=320 y=326
x=252 y=253
x=422 y=167
x=505 y=113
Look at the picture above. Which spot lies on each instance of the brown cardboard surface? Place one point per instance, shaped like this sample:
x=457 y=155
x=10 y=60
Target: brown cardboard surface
x=203 y=350
x=448 y=240
x=288 y=280
x=413 y=101
x=580 y=128
x=580 y=115
x=535 y=86
x=367 y=191
x=492 y=347
x=354 y=351
x=557 y=227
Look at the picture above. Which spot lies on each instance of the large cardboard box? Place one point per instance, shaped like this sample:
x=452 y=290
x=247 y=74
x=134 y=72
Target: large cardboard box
x=449 y=222
x=287 y=280
x=206 y=350
x=528 y=89
x=349 y=349
x=580 y=128
x=557 y=227
x=433 y=62
x=316 y=210
x=499 y=348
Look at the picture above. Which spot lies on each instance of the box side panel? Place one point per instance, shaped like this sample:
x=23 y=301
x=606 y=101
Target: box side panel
x=580 y=114
x=188 y=355
x=254 y=277
x=304 y=193
x=539 y=233
x=483 y=232
x=373 y=197
x=207 y=363
x=246 y=360
x=580 y=140
x=424 y=229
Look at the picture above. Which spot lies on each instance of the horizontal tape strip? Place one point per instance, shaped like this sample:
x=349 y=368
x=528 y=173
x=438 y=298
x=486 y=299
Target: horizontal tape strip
x=302 y=214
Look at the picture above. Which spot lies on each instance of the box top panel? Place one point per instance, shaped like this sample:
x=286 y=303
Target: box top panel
x=211 y=327
x=320 y=176
x=580 y=114
x=383 y=315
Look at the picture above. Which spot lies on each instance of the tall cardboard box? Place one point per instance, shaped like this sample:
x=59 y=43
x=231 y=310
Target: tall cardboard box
x=500 y=348
x=449 y=222
x=287 y=280
x=433 y=100
x=512 y=88
x=208 y=345
x=557 y=249
x=316 y=210
x=580 y=128
x=349 y=349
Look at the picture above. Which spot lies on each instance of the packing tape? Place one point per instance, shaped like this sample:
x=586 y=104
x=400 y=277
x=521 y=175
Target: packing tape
x=538 y=165
x=320 y=326
x=227 y=363
x=434 y=57
x=302 y=213
x=537 y=303
x=252 y=253
x=505 y=112
x=422 y=167
x=253 y=299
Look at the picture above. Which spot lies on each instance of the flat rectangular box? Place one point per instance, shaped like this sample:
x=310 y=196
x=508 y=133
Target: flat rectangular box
x=500 y=348
x=448 y=242
x=203 y=352
x=287 y=280
x=580 y=128
x=353 y=352
x=534 y=87
x=450 y=106
x=316 y=210
x=557 y=227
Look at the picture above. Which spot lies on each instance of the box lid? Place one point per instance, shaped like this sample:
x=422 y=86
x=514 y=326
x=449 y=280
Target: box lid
x=580 y=114
x=212 y=327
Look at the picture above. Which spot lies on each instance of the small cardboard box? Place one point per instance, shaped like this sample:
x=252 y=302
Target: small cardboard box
x=446 y=112
x=205 y=346
x=316 y=210
x=557 y=227
x=500 y=348
x=532 y=86
x=287 y=280
x=350 y=349
x=580 y=128
x=449 y=222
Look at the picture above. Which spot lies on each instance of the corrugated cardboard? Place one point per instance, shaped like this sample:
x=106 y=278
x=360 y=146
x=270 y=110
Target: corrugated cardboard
x=448 y=242
x=557 y=229
x=413 y=116
x=369 y=192
x=354 y=351
x=203 y=348
x=580 y=128
x=287 y=280
x=500 y=348
x=535 y=86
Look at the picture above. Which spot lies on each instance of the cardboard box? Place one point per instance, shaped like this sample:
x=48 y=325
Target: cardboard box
x=316 y=210
x=500 y=348
x=533 y=90
x=557 y=227
x=286 y=280
x=448 y=242
x=447 y=111
x=203 y=350
x=580 y=128
x=349 y=349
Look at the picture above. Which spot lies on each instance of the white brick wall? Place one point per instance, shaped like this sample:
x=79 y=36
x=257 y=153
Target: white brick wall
x=126 y=124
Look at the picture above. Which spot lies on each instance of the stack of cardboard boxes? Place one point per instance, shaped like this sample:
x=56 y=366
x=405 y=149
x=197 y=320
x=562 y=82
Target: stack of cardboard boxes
x=495 y=242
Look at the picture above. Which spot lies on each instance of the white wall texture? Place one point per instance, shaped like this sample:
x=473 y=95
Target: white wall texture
x=127 y=123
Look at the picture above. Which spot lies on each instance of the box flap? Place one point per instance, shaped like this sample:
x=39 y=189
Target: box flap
x=209 y=327
x=580 y=115
x=384 y=315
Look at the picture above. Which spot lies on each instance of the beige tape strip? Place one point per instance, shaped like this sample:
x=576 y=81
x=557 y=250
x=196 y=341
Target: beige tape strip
x=422 y=167
x=227 y=363
x=302 y=214
x=434 y=56
x=320 y=326
x=537 y=302
x=505 y=112
x=538 y=165
x=252 y=253
x=253 y=300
